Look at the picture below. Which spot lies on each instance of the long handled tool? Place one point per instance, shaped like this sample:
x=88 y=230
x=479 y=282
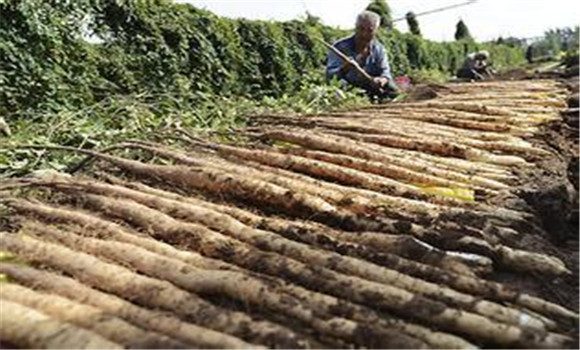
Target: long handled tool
x=345 y=58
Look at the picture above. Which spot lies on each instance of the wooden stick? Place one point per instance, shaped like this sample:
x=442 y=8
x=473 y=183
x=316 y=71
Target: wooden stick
x=350 y=61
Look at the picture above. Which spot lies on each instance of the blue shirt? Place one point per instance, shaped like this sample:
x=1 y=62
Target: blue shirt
x=376 y=64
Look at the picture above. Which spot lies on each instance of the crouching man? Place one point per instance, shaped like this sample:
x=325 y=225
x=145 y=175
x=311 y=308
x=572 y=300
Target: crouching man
x=364 y=50
x=476 y=66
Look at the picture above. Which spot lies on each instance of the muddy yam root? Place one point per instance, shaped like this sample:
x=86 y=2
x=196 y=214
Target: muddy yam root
x=29 y=328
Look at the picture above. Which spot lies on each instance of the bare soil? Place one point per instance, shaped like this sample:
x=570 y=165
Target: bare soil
x=551 y=191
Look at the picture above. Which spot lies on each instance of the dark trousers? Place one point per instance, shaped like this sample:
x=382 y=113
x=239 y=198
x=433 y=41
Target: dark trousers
x=474 y=74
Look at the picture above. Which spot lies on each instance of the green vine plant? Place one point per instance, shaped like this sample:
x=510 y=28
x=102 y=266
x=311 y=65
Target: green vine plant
x=88 y=73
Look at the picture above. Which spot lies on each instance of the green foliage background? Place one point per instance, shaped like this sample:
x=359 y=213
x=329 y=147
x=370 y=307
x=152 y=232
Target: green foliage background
x=49 y=60
x=555 y=43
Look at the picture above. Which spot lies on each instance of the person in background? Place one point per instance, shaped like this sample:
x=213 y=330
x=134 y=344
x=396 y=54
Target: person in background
x=476 y=66
x=363 y=49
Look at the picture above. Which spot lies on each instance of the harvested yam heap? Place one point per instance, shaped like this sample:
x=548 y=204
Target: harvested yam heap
x=446 y=223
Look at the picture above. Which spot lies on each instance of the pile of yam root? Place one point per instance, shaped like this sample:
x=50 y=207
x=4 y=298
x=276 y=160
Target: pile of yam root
x=374 y=228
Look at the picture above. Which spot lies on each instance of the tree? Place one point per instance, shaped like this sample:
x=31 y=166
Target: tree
x=556 y=40
x=461 y=31
x=381 y=8
x=413 y=24
x=312 y=20
x=511 y=41
x=530 y=54
x=575 y=39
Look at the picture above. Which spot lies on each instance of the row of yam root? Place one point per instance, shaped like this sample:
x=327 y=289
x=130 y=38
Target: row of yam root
x=374 y=228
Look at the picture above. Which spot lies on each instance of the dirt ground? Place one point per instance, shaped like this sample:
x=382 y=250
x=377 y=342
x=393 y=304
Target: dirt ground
x=551 y=190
